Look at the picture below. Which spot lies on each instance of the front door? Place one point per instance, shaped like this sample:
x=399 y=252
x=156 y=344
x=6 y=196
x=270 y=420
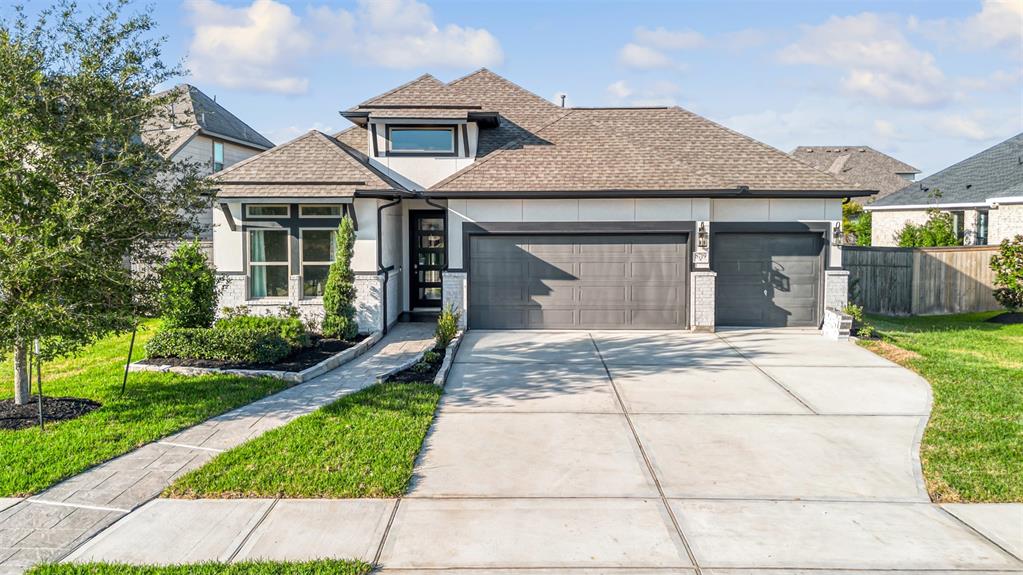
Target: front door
x=427 y=252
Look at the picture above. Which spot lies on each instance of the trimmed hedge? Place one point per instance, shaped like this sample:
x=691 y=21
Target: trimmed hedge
x=290 y=328
x=240 y=345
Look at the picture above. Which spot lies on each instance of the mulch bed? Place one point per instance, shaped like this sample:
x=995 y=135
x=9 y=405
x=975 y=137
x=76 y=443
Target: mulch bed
x=322 y=348
x=54 y=409
x=410 y=375
x=1007 y=318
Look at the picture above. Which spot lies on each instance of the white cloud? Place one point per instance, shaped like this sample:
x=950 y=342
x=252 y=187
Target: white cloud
x=643 y=57
x=668 y=39
x=288 y=133
x=999 y=24
x=658 y=93
x=263 y=46
x=959 y=126
x=877 y=60
x=744 y=39
x=884 y=129
x=619 y=90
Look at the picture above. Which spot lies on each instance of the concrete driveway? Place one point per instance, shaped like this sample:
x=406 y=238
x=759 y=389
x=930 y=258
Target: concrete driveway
x=738 y=450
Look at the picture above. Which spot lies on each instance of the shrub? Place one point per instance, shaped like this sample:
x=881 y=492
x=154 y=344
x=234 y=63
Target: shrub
x=939 y=230
x=1008 y=267
x=240 y=345
x=421 y=367
x=857 y=224
x=189 y=288
x=859 y=327
x=291 y=329
x=432 y=357
x=447 y=326
x=339 y=293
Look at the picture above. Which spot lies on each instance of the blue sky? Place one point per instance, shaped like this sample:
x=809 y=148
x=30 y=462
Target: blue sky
x=930 y=82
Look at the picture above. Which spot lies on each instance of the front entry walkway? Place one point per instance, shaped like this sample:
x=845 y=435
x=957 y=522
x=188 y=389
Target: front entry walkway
x=743 y=452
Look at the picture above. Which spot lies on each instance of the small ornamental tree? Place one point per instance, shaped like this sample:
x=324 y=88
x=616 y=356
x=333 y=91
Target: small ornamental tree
x=938 y=231
x=189 y=289
x=857 y=224
x=339 y=293
x=1008 y=267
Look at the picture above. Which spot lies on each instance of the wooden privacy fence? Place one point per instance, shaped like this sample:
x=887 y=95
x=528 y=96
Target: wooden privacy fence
x=921 y=281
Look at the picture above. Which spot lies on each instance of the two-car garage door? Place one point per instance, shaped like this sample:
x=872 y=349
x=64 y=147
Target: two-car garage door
x=576 y=282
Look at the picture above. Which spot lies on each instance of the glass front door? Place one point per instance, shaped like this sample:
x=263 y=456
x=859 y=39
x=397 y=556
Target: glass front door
x=427 y=251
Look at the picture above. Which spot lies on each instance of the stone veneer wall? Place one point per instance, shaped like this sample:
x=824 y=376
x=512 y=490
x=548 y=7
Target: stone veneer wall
x=886 y=224
x=453 y=286
x=701 y=300
x=836 y=289
x=1005 y=223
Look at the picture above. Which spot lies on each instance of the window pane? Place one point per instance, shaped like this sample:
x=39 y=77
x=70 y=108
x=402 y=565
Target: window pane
x=430 y=294
x=317 y=245
x=422 y=140
x=321 y=211
x=431 y=224
x=431 y=258
x=431 y=241
x=429 y=276
x=268 y=246
x=218 y=156
x=313 y=280
x=269 y=211
x=268 y=281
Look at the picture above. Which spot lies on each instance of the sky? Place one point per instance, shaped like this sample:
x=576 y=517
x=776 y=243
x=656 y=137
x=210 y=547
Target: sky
x=929 y=82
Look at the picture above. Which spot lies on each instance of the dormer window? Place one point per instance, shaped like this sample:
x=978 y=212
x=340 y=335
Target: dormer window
x=421 y=140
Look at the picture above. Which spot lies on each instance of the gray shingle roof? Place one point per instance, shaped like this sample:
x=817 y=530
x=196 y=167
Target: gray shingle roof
x=992 y=173
x=195 y=112
x=861 y=165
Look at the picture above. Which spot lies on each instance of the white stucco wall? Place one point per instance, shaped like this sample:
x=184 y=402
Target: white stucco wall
x=419 y=173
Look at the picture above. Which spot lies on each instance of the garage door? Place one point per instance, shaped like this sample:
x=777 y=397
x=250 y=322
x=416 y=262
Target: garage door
x=770 y=280
x=577 y=282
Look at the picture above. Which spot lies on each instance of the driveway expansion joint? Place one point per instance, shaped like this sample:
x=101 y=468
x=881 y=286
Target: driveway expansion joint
x=792 y=394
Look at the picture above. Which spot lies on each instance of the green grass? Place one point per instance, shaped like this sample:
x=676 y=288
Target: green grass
x=154 y=405
x=321 y=567
x=363 y=445
x=972 y=447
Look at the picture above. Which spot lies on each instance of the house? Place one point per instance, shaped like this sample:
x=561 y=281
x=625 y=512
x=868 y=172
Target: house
x=861 y=165
x=523 y=214
x=984 y=193
x=206 y=133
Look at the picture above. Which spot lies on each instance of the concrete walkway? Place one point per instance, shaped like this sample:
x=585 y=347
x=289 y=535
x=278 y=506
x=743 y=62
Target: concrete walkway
x=746 y=452
x=49 y=525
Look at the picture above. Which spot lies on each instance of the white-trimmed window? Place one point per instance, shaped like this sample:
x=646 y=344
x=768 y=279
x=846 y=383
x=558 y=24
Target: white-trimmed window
x=319 y=210
x=268 y=263
x=266 y=210
x=318 y=250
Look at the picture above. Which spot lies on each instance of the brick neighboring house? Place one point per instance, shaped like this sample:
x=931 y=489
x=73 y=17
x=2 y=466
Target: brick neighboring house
x=861 y=165
x=479 y=194
x=983 y=192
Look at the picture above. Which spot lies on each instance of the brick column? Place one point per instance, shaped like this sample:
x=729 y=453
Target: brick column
x=836 y=289
x=701 y=300
x=455 y=293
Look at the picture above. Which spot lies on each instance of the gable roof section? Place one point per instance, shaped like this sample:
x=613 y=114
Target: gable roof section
x=312 y=165
x=996 y=172
x=860 y=165
x=638 y=149
x=424 y=97
x=195 y=112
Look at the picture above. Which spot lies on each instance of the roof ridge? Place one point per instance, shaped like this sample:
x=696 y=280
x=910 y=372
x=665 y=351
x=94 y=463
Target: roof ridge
x=497 y=76
x=968 y=158
x=890 y=157
x=395 y=89
x=221 y=109
x=345 y=153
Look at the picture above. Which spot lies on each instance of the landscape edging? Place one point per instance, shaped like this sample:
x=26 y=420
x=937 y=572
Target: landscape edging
x=449 y=358
x=317 y=370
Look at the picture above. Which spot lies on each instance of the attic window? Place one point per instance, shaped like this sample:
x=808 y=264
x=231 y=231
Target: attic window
x=421 y=139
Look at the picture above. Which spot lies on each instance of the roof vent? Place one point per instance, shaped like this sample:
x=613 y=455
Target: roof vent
x=563 y=96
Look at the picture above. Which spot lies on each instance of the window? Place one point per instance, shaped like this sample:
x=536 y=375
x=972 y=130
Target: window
x=268 y=263
x=307 y=211
x=982 y=222
x=318 y=249
x=218 y=156
x=958 y=223
x=422 y=140
x=266 y=211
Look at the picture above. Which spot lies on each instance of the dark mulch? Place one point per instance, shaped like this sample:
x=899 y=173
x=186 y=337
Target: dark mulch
x=54 y=409
x=322 y=348
x=411 y=375
x=1007 y=318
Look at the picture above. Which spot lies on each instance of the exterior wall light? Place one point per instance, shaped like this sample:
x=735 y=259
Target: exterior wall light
x=837 y=238
x=702 y=236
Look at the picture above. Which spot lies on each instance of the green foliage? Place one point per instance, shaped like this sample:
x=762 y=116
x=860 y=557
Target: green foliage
x=447 y=326
x=317 y=567
x=432 y=357
x=241 y=345
x=938 y=231
x=861 y=328
x=81 y=192
x=857 y=224
x=291 y=329
x=339 y=293
x=189 y=289
x=421 y=367
x=1008 y=267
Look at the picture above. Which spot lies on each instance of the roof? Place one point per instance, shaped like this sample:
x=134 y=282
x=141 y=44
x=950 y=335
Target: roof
x=195 y=112
x=424 y=97
x=311 y=165
x=996 y=172
x=860 y=165
x=635 y=149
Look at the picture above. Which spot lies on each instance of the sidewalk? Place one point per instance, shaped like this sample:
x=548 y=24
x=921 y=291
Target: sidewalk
x=48 y=526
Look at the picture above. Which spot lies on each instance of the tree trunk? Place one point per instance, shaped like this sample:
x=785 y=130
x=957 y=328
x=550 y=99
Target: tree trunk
x=22 y=383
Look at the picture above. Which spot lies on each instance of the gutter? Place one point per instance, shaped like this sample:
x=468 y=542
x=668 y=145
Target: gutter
x=725 y=193
x=988 y=203
x=380 y=261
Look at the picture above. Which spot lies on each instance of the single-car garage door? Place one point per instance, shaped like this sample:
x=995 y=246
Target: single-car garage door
x=578 y=282
x=770 y=280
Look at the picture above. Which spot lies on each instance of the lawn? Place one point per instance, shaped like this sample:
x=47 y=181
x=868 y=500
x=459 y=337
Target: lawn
x=363 y=445
x=972 y=447
x=154 y=405
x=322 y=567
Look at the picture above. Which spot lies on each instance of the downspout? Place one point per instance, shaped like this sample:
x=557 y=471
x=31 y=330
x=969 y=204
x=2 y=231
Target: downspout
x=380 y=260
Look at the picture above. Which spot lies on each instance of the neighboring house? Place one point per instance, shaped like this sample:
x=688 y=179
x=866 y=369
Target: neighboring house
x=861 y=165
x=204 y=132
x=984 y=193
x=482 y=195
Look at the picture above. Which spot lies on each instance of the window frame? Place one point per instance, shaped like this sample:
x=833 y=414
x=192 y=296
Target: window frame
x=249 y=214
x=301 y=256
x=213 y=156
x=249 y=264
x=304 y=216
x=984 y=215
x=450 y=128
